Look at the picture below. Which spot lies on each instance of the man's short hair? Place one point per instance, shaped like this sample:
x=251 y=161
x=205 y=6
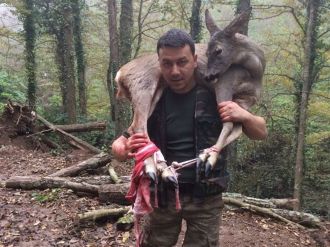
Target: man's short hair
x=176 y=38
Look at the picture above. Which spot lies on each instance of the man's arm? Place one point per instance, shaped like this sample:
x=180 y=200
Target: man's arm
x=123 y=148
x=254 y=126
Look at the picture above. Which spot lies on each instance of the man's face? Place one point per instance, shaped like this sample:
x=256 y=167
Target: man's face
x=177 y=66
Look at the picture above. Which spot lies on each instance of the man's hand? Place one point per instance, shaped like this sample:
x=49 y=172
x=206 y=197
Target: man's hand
x=135 y=142
x=254 y=126
x=124 y=148
x=231 y=112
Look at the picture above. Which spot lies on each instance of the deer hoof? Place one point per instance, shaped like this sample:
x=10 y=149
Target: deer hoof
x=169 y=175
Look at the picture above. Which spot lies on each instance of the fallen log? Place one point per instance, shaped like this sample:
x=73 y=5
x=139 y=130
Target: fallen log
x=75 y=141
x=35 y=182
x=110 y=193
x=81 y=127
x=302 y=218
x=94 y=162
x=94 y=180
x=265 y=203
x=260 y=210
x=102 y=213
x=114 y=193
x=98 y=180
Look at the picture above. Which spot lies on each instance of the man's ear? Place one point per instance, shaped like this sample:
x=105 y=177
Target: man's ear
x=195 y=61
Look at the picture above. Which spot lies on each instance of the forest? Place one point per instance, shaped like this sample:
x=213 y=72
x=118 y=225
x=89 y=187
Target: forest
x=59 y=58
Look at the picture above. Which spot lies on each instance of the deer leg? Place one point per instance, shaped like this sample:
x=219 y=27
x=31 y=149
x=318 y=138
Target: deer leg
x=156 y=164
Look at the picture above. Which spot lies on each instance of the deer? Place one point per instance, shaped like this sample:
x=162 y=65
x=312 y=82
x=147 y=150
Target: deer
x=232 y=64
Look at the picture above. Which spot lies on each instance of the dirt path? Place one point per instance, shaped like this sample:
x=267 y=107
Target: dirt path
x=48 y=218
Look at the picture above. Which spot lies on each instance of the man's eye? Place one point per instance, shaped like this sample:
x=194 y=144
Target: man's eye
x=167 y=64
x=182 y=63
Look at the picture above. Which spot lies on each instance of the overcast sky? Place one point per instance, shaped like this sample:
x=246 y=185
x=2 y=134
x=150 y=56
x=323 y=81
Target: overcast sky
x=7 y=19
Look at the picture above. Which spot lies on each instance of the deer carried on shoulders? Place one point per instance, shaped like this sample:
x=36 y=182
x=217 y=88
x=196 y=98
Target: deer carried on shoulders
x=231 y=63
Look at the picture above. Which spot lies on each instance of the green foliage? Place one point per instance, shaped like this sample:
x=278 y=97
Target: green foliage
x=12 y=88
x=264 y=169
x=46 y=196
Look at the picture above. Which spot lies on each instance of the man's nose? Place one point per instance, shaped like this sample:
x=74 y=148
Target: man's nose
x=175 y=70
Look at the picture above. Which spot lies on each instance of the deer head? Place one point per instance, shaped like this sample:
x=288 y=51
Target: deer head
x=223 y=47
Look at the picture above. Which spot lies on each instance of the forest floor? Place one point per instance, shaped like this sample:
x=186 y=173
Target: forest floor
x=49 y=218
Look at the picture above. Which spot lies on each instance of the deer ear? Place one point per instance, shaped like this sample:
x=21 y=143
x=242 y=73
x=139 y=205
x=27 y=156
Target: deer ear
x=210 y=24
x=236 y=25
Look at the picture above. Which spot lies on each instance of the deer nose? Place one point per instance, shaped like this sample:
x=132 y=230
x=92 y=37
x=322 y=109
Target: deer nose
x=210 y=77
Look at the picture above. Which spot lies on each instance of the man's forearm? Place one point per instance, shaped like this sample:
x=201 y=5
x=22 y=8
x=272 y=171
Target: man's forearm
x=254 y=127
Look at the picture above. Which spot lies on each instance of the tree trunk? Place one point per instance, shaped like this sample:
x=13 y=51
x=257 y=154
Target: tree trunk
x=114 y=55
x=79 y=48
x=195 y=21
x=126 y=29
x=30 y=64
x=307 y=81
x=65 y=60
x=123 y=110
x=243 y=5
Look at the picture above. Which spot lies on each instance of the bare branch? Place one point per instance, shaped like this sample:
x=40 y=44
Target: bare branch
x=324 y=33
x=291 y=10
x=283 y=75
x=152 y=28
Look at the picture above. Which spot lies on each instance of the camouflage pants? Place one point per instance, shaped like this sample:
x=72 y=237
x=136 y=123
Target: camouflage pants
x=163 y=226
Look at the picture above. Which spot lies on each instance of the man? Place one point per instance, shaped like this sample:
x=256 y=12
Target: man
x=185 y=121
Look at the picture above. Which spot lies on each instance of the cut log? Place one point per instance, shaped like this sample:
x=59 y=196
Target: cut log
x=71 y=139
x=114 y=193
x=103 y=213
x=302 y=218
x=35 y=182
x=94 y=162
x=81 y=127
x=98 y=180
x=110 y=193
x=266 y=203
x=94 y=180
x=257 y=209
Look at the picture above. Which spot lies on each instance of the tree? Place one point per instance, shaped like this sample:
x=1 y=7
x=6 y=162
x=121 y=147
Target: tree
x=123 y=108
x=65 y=58
x=195 y=21
x=241 y=6
x=125 y=31
x=56 y=18
x=114 y=54
x=309 y=76
x=30 y=63
x=80 y=57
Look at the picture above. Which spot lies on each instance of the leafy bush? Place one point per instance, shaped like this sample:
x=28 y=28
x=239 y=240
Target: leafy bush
x=12 y=88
